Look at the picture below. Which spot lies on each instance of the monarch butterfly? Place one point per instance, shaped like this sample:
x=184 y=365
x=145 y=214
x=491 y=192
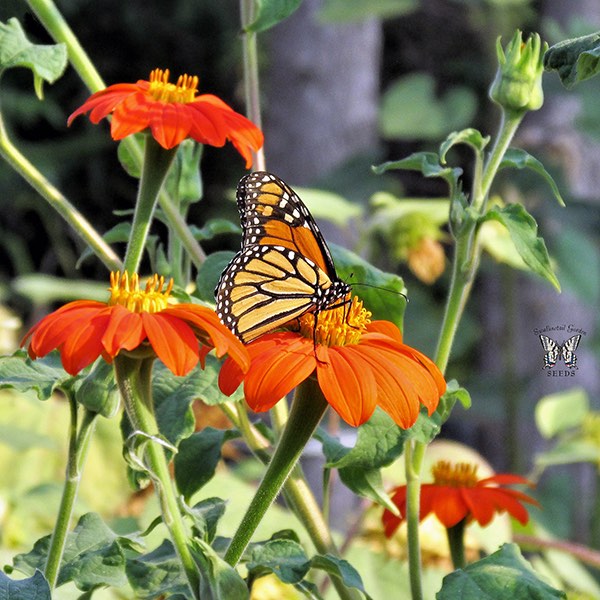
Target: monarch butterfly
x=553 y=351
x=284 y=268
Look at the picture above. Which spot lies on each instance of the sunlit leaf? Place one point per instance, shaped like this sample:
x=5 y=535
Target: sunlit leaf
x=349 y=11
x=323 y=204
x=523 y=231
x=47 y=62
x=504 y=574
x=470 y=137
x=561 y=411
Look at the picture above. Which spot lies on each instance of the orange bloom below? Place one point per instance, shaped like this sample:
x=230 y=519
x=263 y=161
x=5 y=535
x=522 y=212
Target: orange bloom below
x=85 y=329
x=457 y=494
x=172 y=112
x=359 y=365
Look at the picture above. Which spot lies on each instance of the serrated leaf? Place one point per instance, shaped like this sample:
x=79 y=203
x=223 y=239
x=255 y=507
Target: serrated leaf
x=93 y=556
x=470 y=137
x=284 y=558
x=504 y=574
x=218 y=580
x=574 y=60
x=561 y=411
x=197 y=458
x=270 y=12
x=43 y=376
x=381 y=292
x=519 y=159
x=379 y=442
x=34 y=588
x=523 y=232
x=47 y=62
x=338 y=567
x=158 y=572
x=427 y=163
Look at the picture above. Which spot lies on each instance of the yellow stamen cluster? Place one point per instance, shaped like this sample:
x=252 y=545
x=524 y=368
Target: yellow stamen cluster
x=125 y=290
x=460 y=475
x=337 y=326
x=183 y=91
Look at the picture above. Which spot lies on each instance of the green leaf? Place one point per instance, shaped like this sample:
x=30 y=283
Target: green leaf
x=561 y=411
x=574 y=60
x=34 y=588
x=285 y=558
x=43 y=289
x=43 y=376
x=206 y=515
x=504 y=574
x=427 y=163
x=158 y=572
x=379 y=442
x=324 y=204
x=349 y=11
x=410 y=109
x=47 y=62
x=427 y=427
x=523 y=231
x=519 y=159
x=183 y=181
x=470 y=137
x=209 y=273
x=338 y=567
x=218 y=580
x=271 y=12
x=94 y=555
x=568 y=452
x=381 y=292
x=214 y=227
x=197 y=459
x=98 y=390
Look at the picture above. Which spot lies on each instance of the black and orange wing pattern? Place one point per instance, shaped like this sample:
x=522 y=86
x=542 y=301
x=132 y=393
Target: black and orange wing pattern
x=284 y=268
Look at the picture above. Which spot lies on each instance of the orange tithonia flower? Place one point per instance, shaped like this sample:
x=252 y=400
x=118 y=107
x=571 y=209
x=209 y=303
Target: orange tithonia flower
x=85 y=329
x=173 y=112
x=359 y=365
x=456 y=494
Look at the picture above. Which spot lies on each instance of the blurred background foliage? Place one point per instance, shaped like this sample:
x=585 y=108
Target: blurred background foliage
x=408 y=73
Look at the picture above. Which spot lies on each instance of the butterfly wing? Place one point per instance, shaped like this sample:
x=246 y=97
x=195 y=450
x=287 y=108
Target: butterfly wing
x=552 y=351
x=284 y=268
x=568 y=351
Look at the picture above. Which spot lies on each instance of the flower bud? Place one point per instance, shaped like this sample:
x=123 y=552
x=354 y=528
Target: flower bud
x=518 y=83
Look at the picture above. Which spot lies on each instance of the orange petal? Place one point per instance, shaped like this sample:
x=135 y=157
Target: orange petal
x=131 y=115
x=390 y=521
x=173 y=341
x=102 y=103
x=387 y=328
x=84 y=343
x=169 y=122
x=448 y=505
x=123 y=332
x=283 y=365
x=348 y=384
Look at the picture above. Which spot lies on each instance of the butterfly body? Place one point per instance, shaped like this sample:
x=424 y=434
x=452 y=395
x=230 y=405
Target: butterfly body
x=554 y=351
x=284 y=268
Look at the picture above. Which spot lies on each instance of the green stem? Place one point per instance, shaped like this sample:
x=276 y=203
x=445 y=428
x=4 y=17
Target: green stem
x=157 y=162
x=56 y=25
x=134 y=378
x=77 y=453
x=57 y=201
x=456 y=541
x=307 y=410
x=251 y=83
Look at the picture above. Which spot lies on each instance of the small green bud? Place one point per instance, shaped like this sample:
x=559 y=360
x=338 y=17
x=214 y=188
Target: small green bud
x=518 y=83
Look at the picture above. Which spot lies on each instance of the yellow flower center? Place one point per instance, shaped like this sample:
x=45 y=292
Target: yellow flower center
x=337 y=326
x=125 y=290
x=183 y=91
x=462 y=475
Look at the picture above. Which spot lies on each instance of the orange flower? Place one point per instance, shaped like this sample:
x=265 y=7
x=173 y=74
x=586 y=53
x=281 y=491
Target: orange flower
x=359 y=365
x=173 y=112
x=85 y=329
x=457 y=494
